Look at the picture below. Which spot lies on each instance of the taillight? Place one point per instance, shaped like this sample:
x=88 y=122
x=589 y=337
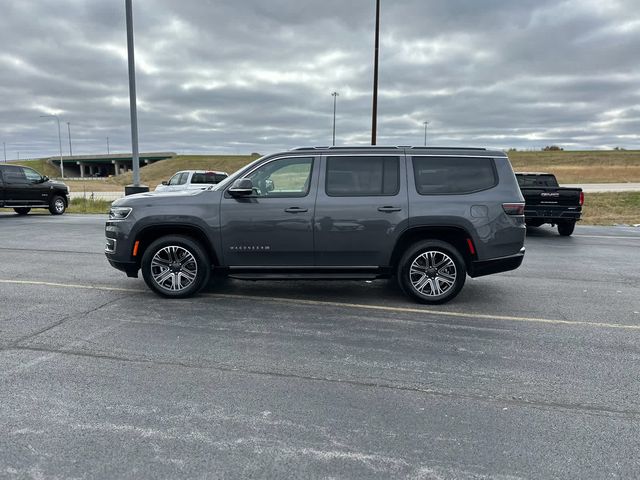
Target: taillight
x=581 y=198
x=513 y=208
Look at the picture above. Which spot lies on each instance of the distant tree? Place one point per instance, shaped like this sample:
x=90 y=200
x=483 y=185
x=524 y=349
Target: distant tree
x=619 y=148
x=255 y=154
x=552 y=148
x=512 y=149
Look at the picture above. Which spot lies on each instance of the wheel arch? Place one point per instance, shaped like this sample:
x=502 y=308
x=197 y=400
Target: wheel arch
x=150 y=233
x=456 y=236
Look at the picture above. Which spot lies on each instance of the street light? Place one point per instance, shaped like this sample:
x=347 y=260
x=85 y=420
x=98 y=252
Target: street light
x=108 y=146
x=425 y=133
x=59 y=141
x=374 y=115
x=4 y=147
x=335 y=96
x=135 y=158
x=69 y=129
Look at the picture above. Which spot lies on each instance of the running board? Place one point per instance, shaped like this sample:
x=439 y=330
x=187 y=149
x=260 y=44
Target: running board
x=304 y=276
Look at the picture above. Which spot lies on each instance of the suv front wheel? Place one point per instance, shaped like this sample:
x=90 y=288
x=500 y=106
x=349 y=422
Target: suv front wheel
x=175 y=266
x=432 y=272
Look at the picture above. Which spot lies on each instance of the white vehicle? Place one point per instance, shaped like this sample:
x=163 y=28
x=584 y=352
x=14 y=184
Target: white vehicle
x=191 y=180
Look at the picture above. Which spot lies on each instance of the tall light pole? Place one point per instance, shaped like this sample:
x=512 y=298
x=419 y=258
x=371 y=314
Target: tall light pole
x=425 y=133
x=108 y=146
x=374 y=116
x=59 y=141
x=335 y=96
x=69 y=130
x=135 y=188
x=4 y=147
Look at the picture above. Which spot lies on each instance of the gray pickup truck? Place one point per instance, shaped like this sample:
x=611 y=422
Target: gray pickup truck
x=428 y=216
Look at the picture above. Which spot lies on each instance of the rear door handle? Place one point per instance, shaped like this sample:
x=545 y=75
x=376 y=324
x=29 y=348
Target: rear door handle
x=296 y=210
x=389 y=209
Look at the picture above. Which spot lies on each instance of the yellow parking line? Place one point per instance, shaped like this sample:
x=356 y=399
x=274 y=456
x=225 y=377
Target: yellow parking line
x=359 y=306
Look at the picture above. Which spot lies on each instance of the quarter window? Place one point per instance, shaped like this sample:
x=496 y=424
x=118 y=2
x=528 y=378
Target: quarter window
x=453 y=175
x=286 y=177
x=362 y=176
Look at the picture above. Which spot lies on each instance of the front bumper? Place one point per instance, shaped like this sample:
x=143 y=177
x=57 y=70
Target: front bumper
x=496 y=265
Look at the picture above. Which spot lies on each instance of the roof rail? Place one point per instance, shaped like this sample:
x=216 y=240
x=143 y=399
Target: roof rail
x=447 y=148
x=352 y=147
x=388 y=147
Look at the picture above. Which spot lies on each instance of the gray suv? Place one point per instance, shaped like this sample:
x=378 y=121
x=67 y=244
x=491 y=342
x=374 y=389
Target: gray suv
x=428 y=216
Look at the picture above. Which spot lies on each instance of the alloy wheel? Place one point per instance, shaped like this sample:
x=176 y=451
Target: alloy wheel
x=433 y=273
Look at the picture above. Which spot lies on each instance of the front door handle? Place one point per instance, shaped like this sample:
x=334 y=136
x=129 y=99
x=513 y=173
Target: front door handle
x=296 y=210
x=389 y=209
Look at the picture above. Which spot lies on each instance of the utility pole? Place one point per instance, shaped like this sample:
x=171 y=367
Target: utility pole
x=374 y=119
x=335 y=95
x=425 y=133
x=69 y=130
x=4 y=147
x=59 y=141
x=136 y=187
x=108 y=146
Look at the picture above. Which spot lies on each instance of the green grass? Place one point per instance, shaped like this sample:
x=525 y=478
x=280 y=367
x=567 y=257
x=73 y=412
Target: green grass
x=81 y=205
x=596 y=166
x=610 y=208
x=155 y=173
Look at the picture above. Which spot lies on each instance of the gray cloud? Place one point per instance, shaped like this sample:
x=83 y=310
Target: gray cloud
x=227 y=76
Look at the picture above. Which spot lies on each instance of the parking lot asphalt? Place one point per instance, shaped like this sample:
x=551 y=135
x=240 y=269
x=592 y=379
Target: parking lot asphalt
x=528 y=374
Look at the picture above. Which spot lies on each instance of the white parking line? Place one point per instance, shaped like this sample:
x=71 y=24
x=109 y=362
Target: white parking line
x=609 y=236
x=321 y=303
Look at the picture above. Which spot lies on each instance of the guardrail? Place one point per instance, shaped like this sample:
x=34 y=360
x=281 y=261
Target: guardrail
x=108 y=196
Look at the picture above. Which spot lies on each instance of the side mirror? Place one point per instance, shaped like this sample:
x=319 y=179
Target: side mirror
x=243 y=187
x=164 y=182
x=45 y=179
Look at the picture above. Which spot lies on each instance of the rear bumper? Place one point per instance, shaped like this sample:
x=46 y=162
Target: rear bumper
x=552 y=214
x=496 y=265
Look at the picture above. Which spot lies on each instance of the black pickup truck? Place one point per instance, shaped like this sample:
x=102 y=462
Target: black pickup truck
x=547 y=202
x=22 y=188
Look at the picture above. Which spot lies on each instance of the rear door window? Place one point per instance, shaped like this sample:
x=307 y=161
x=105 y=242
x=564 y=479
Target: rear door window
x=453 y=175
x=362 y=176
x=14 y=175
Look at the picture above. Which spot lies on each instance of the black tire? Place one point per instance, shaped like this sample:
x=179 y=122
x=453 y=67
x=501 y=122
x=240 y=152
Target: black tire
x=434 y=259
x=57 y=205
x=186 y=263
x=566 y=227
x=22 y=210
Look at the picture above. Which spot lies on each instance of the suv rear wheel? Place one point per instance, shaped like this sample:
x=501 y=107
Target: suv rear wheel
x=22 y=210
x=432 y=272
x=175 y=266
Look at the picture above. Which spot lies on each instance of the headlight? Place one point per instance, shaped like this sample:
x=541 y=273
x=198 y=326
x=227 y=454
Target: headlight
x=119 y=213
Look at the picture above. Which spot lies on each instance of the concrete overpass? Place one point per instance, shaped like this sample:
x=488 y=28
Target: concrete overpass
x=105 y=165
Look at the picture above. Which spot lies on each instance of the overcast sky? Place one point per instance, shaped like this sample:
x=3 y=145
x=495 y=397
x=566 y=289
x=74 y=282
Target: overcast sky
x=242 y=76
